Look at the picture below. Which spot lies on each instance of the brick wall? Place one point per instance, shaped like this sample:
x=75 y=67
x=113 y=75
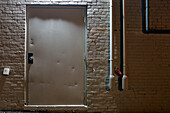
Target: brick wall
x=12 y=46
x=159 y=16
x=147 y=61
x=147 y=57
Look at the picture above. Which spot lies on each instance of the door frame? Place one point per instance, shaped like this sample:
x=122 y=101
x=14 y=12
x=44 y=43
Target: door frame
x=26 y=105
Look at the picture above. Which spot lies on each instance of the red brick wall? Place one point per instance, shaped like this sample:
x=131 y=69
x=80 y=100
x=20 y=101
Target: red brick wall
x=147 y=61
x=159 y=16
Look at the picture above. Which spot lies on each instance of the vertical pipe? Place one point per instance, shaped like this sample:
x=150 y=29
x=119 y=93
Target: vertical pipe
x=25 y=58
x=123 y=8
x=121 y=45
x=112 y=34
x=124 y=79
x=112 y=78
x=111 y=49
x=147 y=15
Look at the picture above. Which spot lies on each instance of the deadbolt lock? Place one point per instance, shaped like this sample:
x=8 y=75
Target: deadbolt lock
x=30 y=58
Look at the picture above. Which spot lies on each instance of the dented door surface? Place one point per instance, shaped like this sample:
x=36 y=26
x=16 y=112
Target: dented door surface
x=56 y=39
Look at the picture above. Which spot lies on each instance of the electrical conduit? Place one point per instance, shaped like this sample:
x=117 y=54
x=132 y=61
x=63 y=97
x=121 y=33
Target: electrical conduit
x=110 y=80
x=112 y=77
x=125 y=78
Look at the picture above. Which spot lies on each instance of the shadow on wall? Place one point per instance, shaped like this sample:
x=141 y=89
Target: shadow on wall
x=144 y=20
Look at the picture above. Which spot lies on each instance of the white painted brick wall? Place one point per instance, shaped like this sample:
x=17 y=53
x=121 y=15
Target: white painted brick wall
x=12 y=46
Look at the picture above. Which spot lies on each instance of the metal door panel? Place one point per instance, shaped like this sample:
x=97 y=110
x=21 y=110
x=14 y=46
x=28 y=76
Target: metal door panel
x=56 y=37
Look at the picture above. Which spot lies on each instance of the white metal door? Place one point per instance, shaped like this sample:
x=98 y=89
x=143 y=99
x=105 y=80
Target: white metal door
x=56 y=48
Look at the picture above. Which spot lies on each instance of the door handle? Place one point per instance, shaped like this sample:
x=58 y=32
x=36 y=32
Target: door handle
x=84 y=59
x=30 y=58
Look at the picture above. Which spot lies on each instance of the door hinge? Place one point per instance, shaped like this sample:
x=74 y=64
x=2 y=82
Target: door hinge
x=85 y=60
x=84 y=19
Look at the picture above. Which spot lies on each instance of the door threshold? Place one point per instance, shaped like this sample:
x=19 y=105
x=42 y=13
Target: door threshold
x=56 y=107
x=85 y=106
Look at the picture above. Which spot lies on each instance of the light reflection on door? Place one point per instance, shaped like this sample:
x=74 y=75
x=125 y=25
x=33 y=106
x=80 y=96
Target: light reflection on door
x=56 y=38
